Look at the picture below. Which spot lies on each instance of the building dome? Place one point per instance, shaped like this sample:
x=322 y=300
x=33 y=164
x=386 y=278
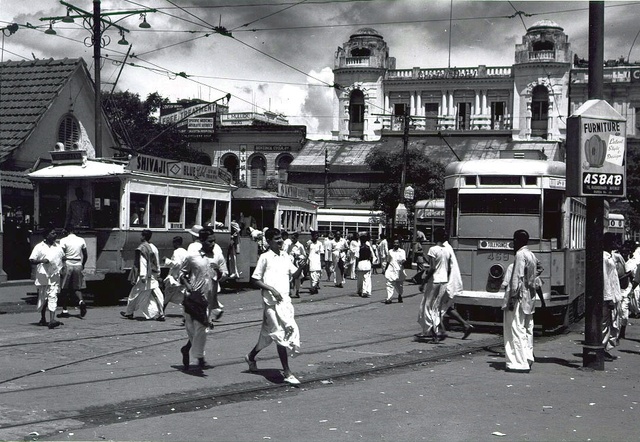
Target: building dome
x=366 y=32
x=545 y=24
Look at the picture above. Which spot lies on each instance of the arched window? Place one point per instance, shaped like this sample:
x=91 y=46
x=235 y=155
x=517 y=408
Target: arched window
x=283 y=162
x=361 y=52
x=542 y=46
x=258 y=172
x=356 y=113
x=232 y=165
x=68 y=131
x=539 y=111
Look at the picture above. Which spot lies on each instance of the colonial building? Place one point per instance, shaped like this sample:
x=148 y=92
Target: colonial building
x=459 y=112
x=42 y=102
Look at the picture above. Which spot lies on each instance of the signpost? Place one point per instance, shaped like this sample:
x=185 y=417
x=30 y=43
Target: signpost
x=596 y=136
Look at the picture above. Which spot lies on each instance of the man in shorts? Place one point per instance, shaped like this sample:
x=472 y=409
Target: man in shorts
x=47 y=257
x=272 y=274
x=75 y=258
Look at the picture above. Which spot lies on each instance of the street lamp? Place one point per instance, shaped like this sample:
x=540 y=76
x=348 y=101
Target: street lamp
x=97 y=23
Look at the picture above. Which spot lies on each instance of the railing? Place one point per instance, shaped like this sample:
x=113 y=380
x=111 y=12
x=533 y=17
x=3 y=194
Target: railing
x=445 y=122
x=542 y=55
x=447 y=73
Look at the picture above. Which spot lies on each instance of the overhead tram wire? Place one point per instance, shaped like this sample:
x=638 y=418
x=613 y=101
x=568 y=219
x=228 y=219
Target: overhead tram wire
x=191 y=14
x=267 y=16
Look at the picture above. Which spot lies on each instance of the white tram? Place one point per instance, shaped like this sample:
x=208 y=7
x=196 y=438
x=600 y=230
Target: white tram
x=486 y=202
x=126 y=197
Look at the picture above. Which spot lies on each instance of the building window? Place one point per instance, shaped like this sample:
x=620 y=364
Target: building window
x=258 y=172
x=464 y=116
x=283 y=163
x=356 y=113
x=231 y=164
x=539 y=111
x=542 y=46
x=69 y=131
x=361 y=52
x=497 y=114
x=431 y=116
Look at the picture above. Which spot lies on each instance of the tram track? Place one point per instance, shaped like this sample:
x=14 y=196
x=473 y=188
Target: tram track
x=203 y=398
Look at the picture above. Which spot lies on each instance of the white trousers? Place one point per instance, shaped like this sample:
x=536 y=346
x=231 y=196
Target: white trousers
x=394 y=287
x=364 y=282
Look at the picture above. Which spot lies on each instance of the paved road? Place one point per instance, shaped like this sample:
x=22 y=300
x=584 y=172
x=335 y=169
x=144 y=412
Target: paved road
x=364 y=377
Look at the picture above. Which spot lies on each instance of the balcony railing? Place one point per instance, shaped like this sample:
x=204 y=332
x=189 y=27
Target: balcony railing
x=446 y=122
x=542 y=55
x=450 y=73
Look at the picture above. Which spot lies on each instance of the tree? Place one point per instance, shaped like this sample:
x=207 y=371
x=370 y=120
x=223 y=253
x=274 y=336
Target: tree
x=139 y=131
x=424 y=175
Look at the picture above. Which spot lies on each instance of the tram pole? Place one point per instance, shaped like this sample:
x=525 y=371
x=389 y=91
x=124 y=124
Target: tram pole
x=593 y=349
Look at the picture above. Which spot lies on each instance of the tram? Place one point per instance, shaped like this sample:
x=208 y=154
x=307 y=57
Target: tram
x=486 y=201
x=614 y=223
x=429 y=215
x=254 y=209
x=125 y=197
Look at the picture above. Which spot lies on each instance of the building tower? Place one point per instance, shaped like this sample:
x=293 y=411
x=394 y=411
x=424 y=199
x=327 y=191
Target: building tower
x=359 y=70
x=541 y=83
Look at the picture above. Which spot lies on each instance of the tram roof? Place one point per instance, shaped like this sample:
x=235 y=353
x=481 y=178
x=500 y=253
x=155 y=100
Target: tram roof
x=506 y=166
x=91 y=169
x=437 y=203
x=246 y=193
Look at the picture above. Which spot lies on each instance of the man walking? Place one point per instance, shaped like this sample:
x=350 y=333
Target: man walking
x=612 y=296
x=272 y=274
x=434 y=285
x=520 y=298
x=145 y=295
x=339 y=254
x=198 y=276
x=47 y=256
x=174 y=290
x=75 y=258
x=328 y=258
x=316 y=252
x=394 y=271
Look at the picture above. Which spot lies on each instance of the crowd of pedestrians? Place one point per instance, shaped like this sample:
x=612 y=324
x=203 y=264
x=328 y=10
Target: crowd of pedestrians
x=285 y=263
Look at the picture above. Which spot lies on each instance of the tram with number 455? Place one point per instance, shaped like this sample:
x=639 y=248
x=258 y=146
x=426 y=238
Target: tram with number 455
x=486 y=201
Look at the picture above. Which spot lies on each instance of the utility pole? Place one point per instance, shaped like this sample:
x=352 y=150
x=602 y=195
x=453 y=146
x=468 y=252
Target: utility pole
x=97 y=23
x=593 y=350
x=326 y=177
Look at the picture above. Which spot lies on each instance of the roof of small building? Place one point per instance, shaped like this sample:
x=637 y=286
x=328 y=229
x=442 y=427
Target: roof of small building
x=545 y=24
x=28 y=89
x=366 y=31
x=15 y=180
x=350 y=156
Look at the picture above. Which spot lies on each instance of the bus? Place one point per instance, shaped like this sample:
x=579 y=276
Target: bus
x=254 y=209
x=486 y=201
x=143 y=192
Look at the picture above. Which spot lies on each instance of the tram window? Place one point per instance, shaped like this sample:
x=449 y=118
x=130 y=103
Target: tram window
x=208 y=207
x=176 y=205
x=53 y=204
x=500 y=204
x=552 y=216
x=106 y=212
x=191 y=211
x=138 y=210
x=157 y=211
x=221 y=214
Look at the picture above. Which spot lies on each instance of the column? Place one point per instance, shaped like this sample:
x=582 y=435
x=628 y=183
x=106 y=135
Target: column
x=444 y=107
x=451 y=106
x=412 y=103
x=419 y=108
x=484 y=103
x=476 y=109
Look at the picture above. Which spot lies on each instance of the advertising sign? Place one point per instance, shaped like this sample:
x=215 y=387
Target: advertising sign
x=596 y=151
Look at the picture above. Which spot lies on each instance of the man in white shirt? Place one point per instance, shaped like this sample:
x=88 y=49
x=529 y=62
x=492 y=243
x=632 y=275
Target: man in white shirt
x=273 y=271
x=316 y=252
x=47 y=256
x=75 y=258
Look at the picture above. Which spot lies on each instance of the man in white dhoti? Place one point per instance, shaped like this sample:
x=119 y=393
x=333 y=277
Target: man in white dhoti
x=612 y=296
x=438 y=266
x=174 y=291
x=339 y=256
x=198 y=275
x=519 y=305
x=273 y=271
x=446 y=303
x=394 y=273
x=145 y=295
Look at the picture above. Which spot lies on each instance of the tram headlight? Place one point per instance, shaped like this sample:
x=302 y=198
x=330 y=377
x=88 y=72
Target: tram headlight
x=494 y=279
x=496 y=271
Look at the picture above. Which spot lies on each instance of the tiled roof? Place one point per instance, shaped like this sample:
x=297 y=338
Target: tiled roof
x=15 y=180
x=349 y=156
x=27 y=89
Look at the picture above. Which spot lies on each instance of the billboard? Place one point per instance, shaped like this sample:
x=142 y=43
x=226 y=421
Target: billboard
x=596 y=151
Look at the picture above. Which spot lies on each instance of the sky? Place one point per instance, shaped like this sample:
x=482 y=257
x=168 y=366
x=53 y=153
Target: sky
x=280 y=54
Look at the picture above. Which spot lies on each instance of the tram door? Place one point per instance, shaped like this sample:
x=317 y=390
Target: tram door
x=17 y=229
